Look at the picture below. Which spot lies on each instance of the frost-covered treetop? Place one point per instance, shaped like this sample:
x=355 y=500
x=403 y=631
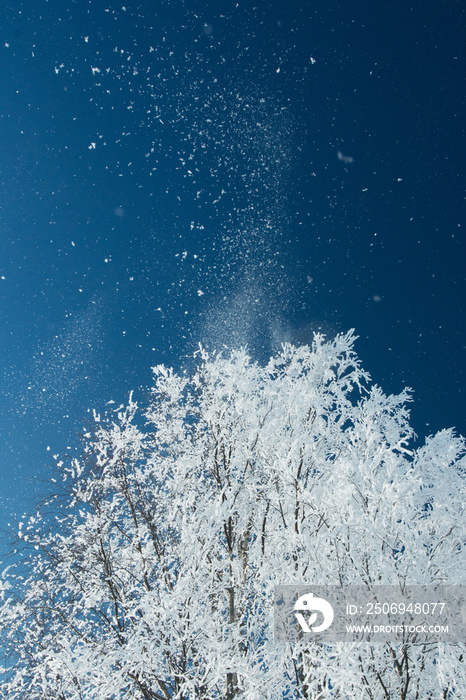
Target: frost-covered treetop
x=152 y=575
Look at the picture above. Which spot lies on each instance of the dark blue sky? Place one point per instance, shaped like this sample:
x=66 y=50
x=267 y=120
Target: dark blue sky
x=224 y=172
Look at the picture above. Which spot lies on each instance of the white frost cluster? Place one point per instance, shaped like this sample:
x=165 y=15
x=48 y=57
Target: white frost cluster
x=156 y=579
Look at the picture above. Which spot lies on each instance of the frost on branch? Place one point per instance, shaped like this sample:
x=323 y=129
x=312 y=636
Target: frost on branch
x=156 y=578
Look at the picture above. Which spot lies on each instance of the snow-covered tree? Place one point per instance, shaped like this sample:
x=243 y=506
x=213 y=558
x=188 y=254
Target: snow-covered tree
x=151 y=576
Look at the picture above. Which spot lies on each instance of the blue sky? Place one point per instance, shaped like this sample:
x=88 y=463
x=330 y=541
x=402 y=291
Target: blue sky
x=227 y=173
